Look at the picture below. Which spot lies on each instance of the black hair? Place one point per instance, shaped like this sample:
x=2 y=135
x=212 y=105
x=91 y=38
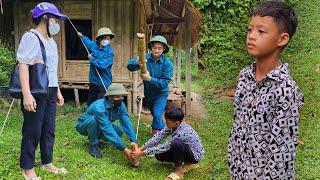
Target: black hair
x=174 y=114
x=283 y=15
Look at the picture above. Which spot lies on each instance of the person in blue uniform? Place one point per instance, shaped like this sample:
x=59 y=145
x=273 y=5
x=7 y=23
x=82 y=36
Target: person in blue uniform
x=98 y=122
x=156 y=80
x=101 y=59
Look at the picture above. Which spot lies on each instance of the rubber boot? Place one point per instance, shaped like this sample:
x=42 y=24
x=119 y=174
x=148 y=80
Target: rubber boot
x=95 y=151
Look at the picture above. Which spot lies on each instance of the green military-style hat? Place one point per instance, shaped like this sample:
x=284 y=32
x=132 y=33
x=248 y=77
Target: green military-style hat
x=160 y=39
x=116 y=89
x=105 y=32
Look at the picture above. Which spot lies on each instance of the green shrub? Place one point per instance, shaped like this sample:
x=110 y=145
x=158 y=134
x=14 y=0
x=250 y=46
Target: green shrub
x=223 y=37
x=7 y=61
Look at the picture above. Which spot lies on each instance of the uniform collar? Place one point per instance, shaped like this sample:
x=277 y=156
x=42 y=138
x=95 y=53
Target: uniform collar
x=162 y=57
x=107 y=103
x=276 y=74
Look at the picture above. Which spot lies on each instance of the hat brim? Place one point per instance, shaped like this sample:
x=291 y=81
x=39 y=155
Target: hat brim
x=116 y=94
x=61 y=16
x=166 y=46
x=111 y=36
x=58 y=15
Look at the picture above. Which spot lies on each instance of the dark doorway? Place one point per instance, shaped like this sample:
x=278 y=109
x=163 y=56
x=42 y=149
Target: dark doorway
x=74 y=47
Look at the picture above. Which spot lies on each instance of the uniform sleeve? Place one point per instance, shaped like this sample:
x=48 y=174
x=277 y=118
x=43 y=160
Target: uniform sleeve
x=88 y=43
x=108 y=133
x=157 y=138
x=133 y=65
x=166 y=77
x=29 y=49
x=104 y=63
x=126 y=124
x=283 y=137
x=161 y=148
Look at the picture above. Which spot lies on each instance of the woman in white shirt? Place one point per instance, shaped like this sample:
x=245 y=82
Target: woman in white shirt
x=39 y=113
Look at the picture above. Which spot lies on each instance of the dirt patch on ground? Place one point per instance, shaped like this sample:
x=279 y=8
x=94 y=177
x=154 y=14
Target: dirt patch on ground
x=197 y=108
x=223 y=93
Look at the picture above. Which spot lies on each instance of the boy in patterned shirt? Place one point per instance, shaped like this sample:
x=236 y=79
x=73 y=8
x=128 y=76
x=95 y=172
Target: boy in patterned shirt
x=184 y=148
x=264 y=136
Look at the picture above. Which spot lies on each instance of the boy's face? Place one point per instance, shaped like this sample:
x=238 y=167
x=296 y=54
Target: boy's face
x=157 y=49
x=264 y=38
x=172 y=124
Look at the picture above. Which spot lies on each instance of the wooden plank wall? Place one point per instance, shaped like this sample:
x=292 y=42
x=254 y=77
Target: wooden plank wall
x=117 y=15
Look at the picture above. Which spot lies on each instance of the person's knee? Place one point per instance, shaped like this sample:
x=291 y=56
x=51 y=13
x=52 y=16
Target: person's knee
x=177 y=143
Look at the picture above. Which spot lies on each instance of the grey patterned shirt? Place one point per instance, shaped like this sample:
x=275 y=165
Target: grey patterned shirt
x=184 y=132
x=264 y=136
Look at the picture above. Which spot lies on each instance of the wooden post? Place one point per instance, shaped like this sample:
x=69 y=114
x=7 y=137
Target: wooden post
x=129 y=100
x=76 y=97
x=178 y=67
x=187 y=63
x=135 y=53
x=175 y=73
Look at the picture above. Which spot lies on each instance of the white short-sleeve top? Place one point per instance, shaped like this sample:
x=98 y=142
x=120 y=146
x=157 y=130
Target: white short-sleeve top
x=29 y=51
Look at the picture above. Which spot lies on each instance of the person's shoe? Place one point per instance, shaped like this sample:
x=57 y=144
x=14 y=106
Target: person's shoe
x=95 y=151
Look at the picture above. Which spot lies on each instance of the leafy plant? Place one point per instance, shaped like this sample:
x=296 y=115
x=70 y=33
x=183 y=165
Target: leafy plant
x=6 y=63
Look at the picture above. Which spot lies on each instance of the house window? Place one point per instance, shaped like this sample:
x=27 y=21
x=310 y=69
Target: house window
x=75 y=50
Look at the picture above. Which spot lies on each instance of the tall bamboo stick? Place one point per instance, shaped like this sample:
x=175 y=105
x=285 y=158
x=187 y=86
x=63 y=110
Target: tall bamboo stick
x=141 y=52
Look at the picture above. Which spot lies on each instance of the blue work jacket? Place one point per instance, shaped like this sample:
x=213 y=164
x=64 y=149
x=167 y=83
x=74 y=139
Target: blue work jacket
x=161 y=73
x=102 y=59
x=103 y=112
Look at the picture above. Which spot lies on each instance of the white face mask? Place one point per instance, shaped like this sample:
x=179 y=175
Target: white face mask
x=104 y=42
x=54 y=28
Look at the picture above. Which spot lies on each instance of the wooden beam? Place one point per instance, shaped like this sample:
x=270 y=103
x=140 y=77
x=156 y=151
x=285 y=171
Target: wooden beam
x=165 y=33
x=187 y=40
x=166 y=11
x=165 y=21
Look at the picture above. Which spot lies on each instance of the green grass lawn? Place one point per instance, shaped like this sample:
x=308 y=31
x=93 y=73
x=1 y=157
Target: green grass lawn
x=71 y=149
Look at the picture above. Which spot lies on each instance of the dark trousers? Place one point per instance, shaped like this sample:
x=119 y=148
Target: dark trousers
x=95 y=92
x=38 y=127
x=179 y=153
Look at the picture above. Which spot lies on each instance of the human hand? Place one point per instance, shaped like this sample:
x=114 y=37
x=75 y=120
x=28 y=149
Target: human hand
x=146 y=76
x=29 y=103
x=136 y=155
x=79 y=34
x=37 y=61
x=60 y=99
x=127 y=152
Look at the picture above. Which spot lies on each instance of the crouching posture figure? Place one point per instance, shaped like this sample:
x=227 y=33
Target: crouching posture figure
x=97 y=121
x=184 y=149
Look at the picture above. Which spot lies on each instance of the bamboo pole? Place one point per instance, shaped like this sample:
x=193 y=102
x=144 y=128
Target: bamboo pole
x=141 y=52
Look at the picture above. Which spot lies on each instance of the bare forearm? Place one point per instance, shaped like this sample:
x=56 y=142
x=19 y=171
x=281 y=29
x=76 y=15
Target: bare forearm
x=24 y=78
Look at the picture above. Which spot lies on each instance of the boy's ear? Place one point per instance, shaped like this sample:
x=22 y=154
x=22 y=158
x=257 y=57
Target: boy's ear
x=284 y=39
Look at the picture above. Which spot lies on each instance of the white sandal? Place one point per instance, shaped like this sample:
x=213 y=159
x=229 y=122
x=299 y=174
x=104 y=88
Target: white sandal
x=57 y=171
x=28 y=178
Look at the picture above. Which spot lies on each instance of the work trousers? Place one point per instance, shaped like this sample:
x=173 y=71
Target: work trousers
x=95 y=92
x=39 y=127
x=179 y=153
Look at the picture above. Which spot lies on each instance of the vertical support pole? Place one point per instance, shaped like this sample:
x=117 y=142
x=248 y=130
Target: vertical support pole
x=175 y=73
x=76 y=97
x=129 y=99
x=136 y=28
x=188 y=63
x=178 y=67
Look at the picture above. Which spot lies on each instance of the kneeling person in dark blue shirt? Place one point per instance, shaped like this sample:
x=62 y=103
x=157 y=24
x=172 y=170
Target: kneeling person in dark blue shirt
x=97 y=121
x=184 y=149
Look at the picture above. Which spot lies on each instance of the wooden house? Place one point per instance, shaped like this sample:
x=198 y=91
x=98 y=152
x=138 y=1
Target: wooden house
x=177 y=20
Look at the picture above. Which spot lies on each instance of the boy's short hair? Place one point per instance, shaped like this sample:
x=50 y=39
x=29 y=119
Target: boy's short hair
x=174 y=114
x=283 y=15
